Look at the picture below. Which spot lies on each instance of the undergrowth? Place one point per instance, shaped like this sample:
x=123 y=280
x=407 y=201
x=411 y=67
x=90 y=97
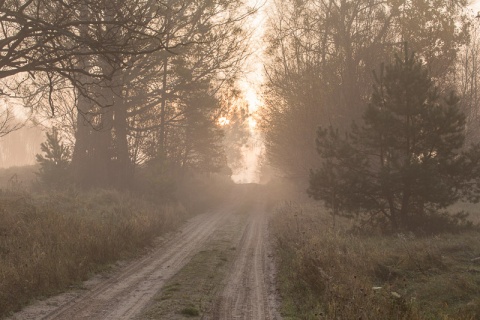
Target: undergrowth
x=52 y=241
x=327 y=272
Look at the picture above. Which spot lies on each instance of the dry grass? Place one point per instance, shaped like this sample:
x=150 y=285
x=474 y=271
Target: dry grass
x=48 y=243
x=329 y=273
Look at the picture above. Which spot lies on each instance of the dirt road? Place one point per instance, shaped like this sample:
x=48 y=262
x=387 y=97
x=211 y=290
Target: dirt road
x=247 y=290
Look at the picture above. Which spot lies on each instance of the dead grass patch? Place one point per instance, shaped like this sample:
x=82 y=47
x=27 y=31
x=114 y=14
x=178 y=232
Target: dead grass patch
x=50 y=242
x=325 y=272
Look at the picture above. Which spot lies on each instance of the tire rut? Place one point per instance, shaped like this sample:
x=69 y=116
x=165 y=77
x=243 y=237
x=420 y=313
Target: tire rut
x=249 y=291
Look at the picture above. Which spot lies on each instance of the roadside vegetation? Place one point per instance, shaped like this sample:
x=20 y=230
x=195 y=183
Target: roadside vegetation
x=326 y=271
x=52 y=240
x=49 y=243
x=391 y=238
x=128 y=155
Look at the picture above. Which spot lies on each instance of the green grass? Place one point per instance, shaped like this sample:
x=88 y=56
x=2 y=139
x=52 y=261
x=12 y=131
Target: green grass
x=329 y=273
x=192 y=290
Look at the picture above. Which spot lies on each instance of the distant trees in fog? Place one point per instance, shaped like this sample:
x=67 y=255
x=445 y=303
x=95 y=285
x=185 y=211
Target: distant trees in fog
x=322 y=54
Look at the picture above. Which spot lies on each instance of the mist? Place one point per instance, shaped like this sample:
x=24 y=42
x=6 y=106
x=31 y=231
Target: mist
x=225 y=159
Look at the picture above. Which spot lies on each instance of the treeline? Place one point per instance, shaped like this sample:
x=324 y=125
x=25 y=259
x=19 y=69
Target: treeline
x=126 y=84
x=321 y=58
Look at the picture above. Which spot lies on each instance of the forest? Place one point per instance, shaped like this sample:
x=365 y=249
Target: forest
x=341 y=136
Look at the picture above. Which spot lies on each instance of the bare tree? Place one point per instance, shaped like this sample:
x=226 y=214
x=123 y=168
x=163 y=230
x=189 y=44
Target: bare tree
x=467 y=82
x=8 y=121
x=62 y=38
x=322 y=55
x=184 y=83
x=50 y=47
x=150 y=103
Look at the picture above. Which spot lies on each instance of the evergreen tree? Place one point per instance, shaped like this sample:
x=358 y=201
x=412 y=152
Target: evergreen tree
x=407 y=161
x=54 y=163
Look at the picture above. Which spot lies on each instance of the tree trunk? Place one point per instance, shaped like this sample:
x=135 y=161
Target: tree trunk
x=81 y=158
x=123 y=170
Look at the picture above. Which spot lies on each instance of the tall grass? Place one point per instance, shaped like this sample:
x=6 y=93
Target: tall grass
x=326 y=272
x=50 y=242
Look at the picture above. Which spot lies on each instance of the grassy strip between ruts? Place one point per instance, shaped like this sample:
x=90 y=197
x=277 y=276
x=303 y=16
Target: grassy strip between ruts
x=48 y=243
x=193 y=291
x=329 y=273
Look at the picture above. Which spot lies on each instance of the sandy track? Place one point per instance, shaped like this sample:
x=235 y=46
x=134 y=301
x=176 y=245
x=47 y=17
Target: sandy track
x=249 y=291
x=125 y=294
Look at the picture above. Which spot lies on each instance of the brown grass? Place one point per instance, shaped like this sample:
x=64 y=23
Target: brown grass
x=329 y=273
x=50 y=242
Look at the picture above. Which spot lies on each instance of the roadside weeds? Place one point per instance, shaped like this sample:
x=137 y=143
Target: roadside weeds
x=48 y=244
x=329 y=273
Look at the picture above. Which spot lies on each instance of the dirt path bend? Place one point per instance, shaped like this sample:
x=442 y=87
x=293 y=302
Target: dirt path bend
x=249 y=291
x=125 y=294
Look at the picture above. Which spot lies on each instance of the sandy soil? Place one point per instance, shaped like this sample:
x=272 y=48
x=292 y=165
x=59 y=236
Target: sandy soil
x=248 y=292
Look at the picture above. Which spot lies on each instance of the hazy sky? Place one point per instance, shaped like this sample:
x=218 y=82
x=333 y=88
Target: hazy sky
x=475 y=5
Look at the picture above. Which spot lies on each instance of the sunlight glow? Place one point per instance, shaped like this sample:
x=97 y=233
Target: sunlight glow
x=253 y=150
x=252 y=123
x=475 y=5
x=223 y=121
x=251 y=85
x=252 y=97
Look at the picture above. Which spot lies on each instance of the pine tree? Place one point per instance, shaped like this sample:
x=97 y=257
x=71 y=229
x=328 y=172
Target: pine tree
x=54 y=163
x=407 y=161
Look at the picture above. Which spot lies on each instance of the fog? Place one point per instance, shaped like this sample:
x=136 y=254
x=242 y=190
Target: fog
x=20 y=147
x=226 y=159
